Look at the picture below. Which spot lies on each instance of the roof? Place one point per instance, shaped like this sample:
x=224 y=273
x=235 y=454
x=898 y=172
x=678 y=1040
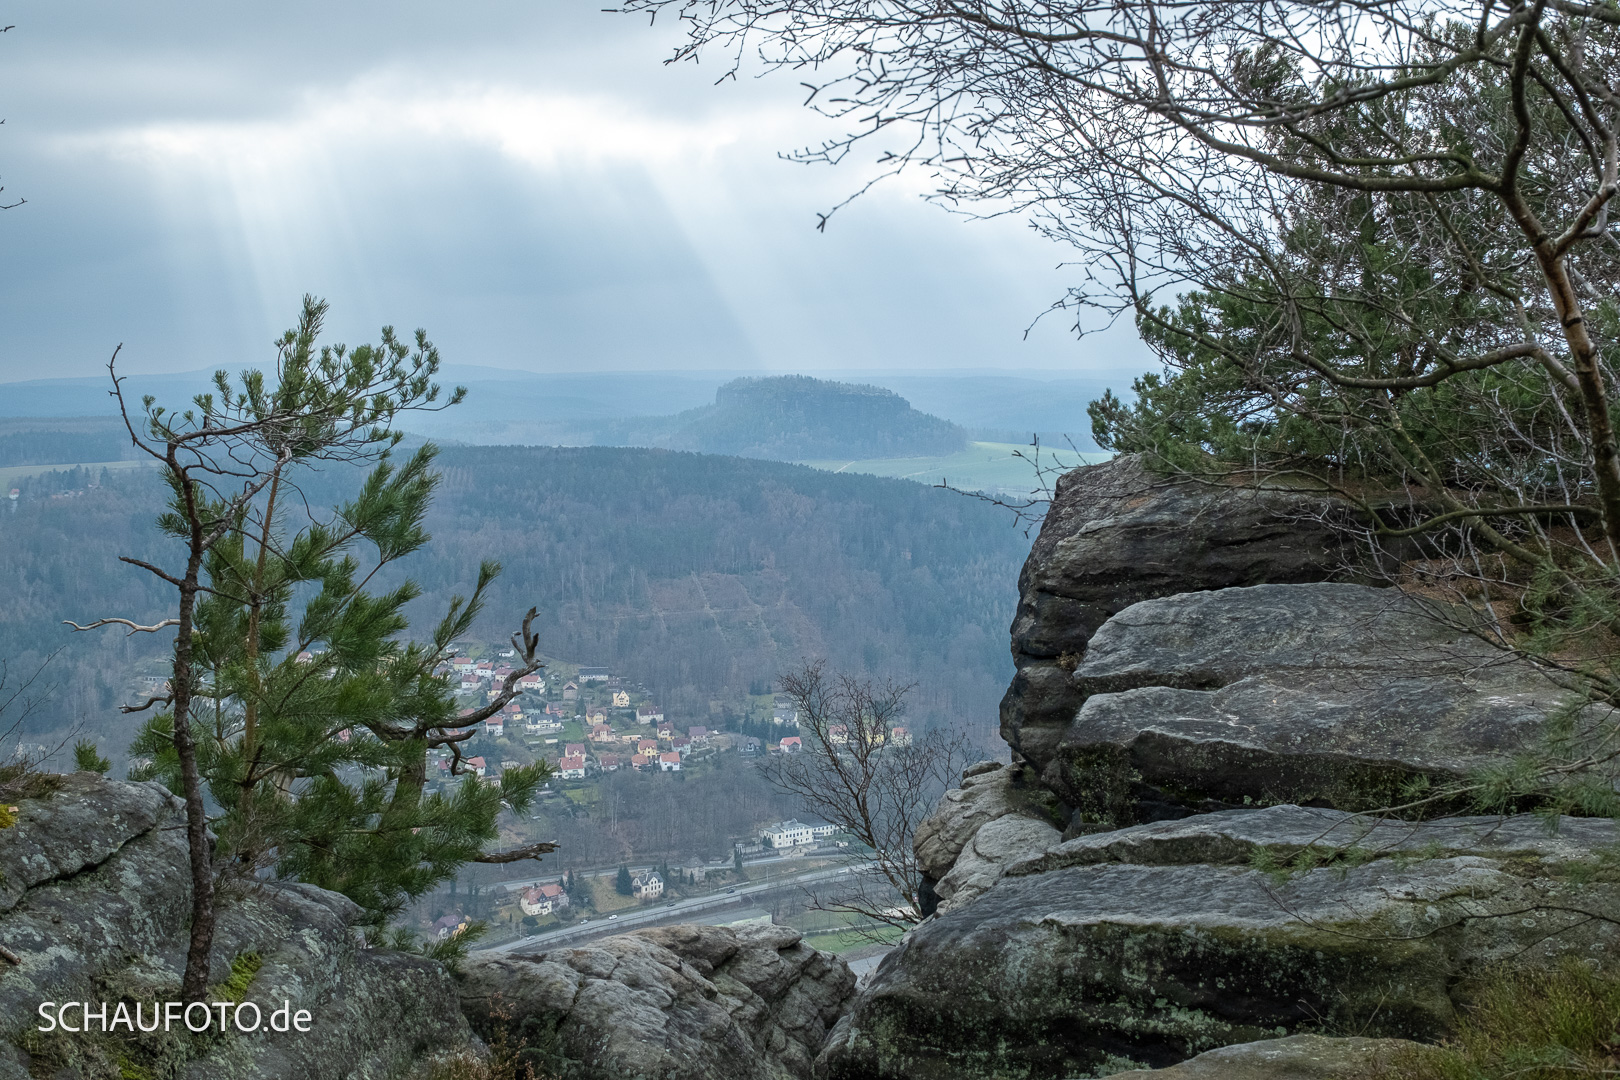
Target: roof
x=571 y=763
x=670 y=756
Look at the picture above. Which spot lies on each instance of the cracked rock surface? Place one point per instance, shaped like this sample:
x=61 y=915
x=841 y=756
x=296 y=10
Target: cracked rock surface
x=1152 y=944
x=95 y=903
x=669 y=1003
x=1331 y=694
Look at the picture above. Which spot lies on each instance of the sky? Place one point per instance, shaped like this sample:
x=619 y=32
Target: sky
x=529 y=181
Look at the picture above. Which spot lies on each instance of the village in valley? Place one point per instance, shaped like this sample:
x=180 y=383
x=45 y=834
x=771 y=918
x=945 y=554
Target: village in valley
x=589 y=723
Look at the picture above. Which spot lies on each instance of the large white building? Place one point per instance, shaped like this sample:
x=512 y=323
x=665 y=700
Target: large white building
x=789 y=834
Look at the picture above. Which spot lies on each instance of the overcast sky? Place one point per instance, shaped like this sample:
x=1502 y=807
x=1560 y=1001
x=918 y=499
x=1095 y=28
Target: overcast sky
x=527 y=180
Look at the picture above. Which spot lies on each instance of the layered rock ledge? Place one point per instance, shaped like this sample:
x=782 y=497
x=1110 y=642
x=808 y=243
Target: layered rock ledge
x=1152 y=944
x=1117 y=534
x=1331 y=694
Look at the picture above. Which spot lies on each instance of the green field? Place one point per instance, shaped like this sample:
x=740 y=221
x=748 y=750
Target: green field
x=12 y=474
x=983 y=466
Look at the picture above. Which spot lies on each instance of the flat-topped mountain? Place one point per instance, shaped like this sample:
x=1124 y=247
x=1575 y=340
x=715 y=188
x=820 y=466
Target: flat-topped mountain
x=797 y=418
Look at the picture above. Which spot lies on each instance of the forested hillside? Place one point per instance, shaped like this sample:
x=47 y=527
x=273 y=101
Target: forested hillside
x=699 y=576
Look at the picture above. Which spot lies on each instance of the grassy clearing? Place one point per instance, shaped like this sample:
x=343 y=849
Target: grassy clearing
x=842 y=941
x=605 y=899
x=1529 y=1026
x=982 y=466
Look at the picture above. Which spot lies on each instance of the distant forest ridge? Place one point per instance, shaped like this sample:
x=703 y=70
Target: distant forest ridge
x=700 y=576
x=594 y=408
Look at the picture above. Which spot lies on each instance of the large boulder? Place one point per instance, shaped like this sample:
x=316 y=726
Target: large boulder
x=1152 y=944
x=1116 y=534
x=671 y=1003
x=95 y=906
x=1018 y=815
x=1330 y=694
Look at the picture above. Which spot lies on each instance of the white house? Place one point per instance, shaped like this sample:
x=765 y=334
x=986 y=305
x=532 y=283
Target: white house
x=670 y=762
x=647 y=885
x=649 y=714
x=819 y=830
x=594 y=674
x=788 y=834
x=532 y=681
x=571 y=768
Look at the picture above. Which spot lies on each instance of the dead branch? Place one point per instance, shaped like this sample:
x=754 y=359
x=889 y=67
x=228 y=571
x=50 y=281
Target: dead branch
x=134 y=627
x=533 y=851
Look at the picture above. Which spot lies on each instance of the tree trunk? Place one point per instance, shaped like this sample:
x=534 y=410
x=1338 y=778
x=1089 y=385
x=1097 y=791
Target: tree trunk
x=194 y=985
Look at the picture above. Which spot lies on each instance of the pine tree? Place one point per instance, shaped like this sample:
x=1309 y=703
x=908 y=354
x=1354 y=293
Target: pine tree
x=622 y=884
x=297 y=708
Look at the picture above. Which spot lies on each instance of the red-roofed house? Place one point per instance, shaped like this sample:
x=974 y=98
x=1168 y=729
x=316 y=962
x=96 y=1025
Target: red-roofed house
x=899 y=736
x=543 y=900
x=574 y=749
x=571 y=768
x=609 y=762
x=532 y=681
x=646 y=746
x=496 y=726
x=476 y=764
x=791 y=745
x=640 y=761
x=601 y=733
x=670 y=762
x=461 y=665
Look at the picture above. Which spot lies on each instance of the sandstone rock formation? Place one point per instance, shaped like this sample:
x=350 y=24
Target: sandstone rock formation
x=1115 y=535
x=94 y=904
x=1015 y=814
x=1298 y=1057
x=1155 y=943
x=1332 y=694
x=672 y=1003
